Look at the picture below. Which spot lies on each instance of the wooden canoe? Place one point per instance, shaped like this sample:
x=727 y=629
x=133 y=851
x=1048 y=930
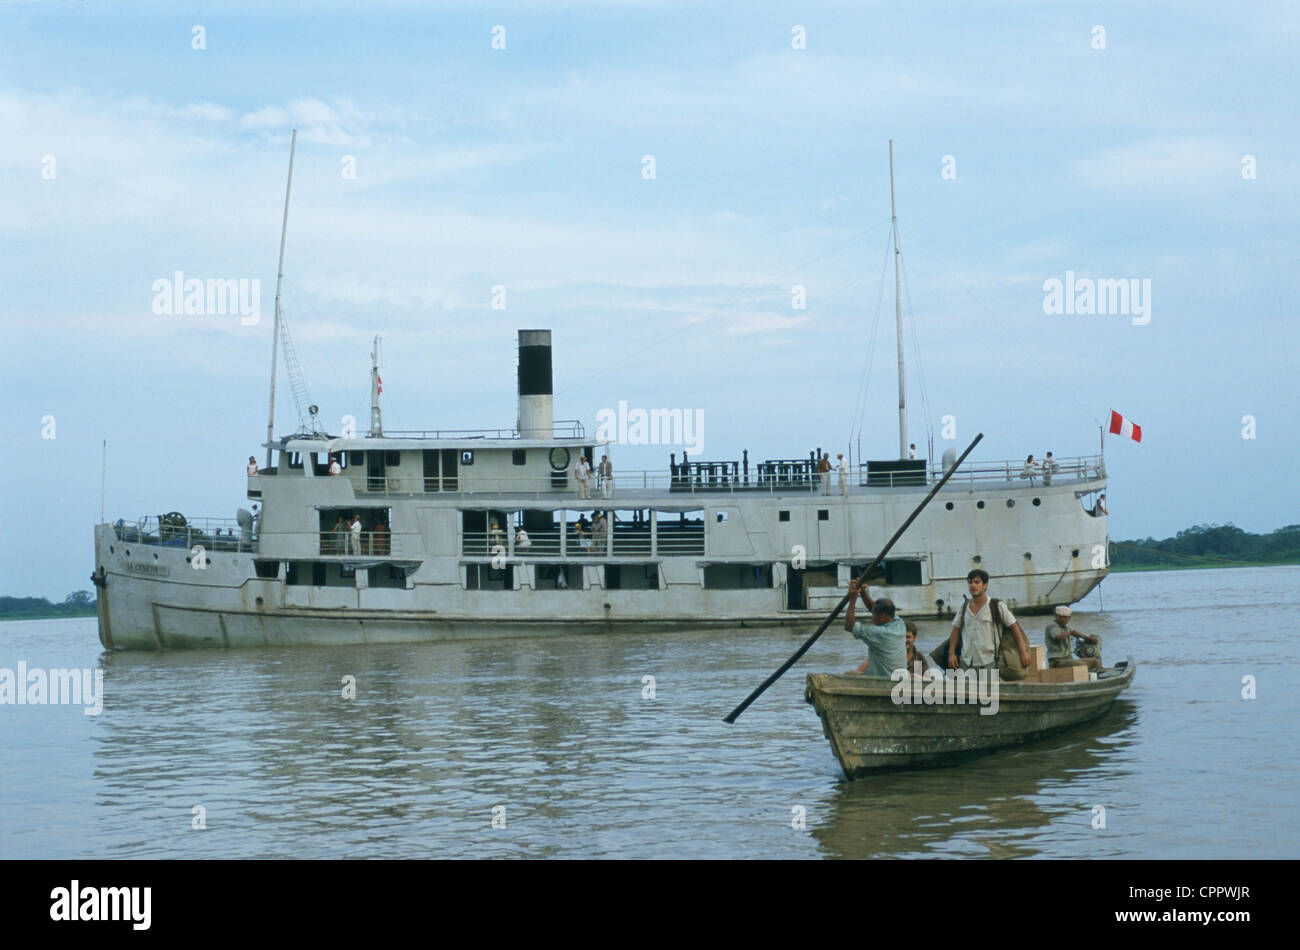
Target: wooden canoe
x=870 y=730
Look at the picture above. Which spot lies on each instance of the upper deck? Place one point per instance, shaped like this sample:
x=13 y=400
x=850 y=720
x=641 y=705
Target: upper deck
x=500 y=464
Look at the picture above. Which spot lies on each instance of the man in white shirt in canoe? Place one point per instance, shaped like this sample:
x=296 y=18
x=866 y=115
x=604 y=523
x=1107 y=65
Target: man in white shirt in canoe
x=980 y=639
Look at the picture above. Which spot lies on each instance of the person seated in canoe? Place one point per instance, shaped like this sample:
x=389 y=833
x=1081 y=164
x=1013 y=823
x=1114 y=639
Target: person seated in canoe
x=1057 y=637
x=914 y=656
x=885 y=636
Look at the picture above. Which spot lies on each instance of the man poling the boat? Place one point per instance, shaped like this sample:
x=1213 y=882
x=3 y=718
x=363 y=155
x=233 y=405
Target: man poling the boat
x=886 y=635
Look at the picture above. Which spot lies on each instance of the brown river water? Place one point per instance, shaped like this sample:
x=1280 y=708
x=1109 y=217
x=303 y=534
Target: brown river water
x=553 y=747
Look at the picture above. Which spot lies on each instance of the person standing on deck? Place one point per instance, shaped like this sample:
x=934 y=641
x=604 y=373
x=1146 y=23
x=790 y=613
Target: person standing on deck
x=975 y=627
x=606 y=473
x=356 y=534
x=911 y=451
x=843 y=469
x=582 y=475
x=252 y=465
x=824 y=470
x=1050 y=468
x=885 y=636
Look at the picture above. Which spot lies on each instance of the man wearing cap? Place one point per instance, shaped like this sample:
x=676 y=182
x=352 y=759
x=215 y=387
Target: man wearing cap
x=1057 y=637
x=886 y=636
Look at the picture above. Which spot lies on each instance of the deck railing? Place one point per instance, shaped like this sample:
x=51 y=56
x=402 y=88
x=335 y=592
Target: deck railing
x=790 y=477
x=213 y=534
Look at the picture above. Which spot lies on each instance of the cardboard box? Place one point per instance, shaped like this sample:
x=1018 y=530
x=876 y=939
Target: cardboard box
x=1038 y=657
x=1064 y=674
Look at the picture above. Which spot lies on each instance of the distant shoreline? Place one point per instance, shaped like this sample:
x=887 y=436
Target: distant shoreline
x=51 y=614
x=1135 y=568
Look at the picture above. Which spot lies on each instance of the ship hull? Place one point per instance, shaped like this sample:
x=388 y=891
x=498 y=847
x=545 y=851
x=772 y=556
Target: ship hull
x=1039 y=545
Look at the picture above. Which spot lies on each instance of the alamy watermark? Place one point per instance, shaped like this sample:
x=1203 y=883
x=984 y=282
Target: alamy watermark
x=954 y=688
x=684 y=427
x=35 y=686
x=1085 y=296
x=181 y=296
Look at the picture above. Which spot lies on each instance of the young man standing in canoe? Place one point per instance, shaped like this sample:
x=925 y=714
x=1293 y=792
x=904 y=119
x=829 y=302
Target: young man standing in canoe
x=979 y=634
x=886 y=636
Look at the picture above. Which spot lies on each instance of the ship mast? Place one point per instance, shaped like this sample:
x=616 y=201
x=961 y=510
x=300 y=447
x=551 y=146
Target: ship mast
x=898 y=312
x=279 y=279
x=376 y=387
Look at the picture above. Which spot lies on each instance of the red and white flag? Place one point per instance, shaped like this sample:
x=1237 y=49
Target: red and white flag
x=380 y=380
x=1125 y=427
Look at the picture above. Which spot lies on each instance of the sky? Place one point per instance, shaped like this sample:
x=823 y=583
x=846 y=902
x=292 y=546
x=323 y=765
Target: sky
x=658 y=184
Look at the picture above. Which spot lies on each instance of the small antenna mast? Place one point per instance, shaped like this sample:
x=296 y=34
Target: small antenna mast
x=898 y=312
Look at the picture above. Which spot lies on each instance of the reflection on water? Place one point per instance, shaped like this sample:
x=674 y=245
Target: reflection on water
x=559 y=734
x=1001 y=805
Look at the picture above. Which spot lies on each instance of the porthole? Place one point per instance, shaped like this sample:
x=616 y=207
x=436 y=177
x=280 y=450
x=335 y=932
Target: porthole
x=1028 y=556
x=155 y=557
x=948 y=506
x=976 y=559
x=1037 y=502
x=1011 y=503
x=1074 y=553
x=128 y=552
x=259 y=601
x=979 y=504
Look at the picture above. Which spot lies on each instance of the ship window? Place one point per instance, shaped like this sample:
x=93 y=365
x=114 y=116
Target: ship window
x=392 y=459
x=631 y=577
x=548 y=577
x=783 y=516
x=1011 y=503
x=295 y=460
x=948 y=506
x=485 y=577
x=356 y=458
x=267 y=569
x=979 y=504
x=1037 y=502
x=386 y=575
x=737 y=576
x=722 y=517
x=467 y=457
x=519 y=457
x=823 y=514
x=680 y=532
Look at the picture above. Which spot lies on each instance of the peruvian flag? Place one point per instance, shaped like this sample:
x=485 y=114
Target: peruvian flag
x=1125 y=427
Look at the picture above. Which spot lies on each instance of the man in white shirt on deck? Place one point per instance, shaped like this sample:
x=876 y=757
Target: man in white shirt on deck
x=356 y=534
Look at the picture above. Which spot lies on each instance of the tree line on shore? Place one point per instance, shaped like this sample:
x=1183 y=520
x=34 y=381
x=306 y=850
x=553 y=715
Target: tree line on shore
x=1207 y=543
x=80 y=603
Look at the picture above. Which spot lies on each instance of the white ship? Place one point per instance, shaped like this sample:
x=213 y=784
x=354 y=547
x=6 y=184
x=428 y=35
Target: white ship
x=427 y=535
